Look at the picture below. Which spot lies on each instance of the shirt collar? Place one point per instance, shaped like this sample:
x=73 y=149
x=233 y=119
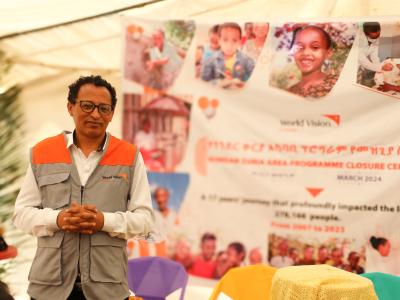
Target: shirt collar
x=71 y=140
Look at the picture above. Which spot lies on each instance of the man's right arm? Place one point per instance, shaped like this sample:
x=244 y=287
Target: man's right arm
x=28 y=214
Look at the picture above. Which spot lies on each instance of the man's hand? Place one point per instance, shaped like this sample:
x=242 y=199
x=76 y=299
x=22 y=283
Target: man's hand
x=85 y=219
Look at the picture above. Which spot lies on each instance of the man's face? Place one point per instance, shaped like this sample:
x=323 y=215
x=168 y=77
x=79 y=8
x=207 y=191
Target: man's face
x=162 y=197
x=208 y=249
x=91 y=125
x=158 y=39
x=234 y=258
x=229 y=41
x=323 y=254
x=336 y=256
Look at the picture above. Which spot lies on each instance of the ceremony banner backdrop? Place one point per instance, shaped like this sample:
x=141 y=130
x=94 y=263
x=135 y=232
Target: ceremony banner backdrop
x=286 y=135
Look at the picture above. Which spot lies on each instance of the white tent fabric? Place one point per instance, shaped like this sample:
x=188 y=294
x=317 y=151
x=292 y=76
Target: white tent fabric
x=95 y=45
x=47 y=60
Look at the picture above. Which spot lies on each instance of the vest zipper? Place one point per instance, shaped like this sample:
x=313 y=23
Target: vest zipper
x=79 y=249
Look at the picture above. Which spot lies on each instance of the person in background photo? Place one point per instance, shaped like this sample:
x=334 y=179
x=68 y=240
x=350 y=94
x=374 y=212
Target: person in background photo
x=323 y=255
x=248 y=33
x=222 y=264
x=213 y=44
x=166 y=219
x=380 y=244
x=82 y=202
x=312 y=47
x=146 y=140
x=236 y=254
x=353 y=263
x=229 y=66
x=255 y=256
x=308 y=256
x=294 y=255
x=368 y=59
x=282 y=259
x=252 y=48
x=204 y=263
x=164 y=58
x=183 y=253
x=336 y=259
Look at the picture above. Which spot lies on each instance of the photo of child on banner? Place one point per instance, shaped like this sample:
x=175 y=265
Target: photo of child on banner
x=309 y=57
x=158 y=124
x=285 y=251
x=379 y=57
x=226 y=54
x=168 y=237
x=154 y=52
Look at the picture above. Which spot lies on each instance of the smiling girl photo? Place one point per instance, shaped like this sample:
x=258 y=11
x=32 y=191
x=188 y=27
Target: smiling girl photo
x=310 y=56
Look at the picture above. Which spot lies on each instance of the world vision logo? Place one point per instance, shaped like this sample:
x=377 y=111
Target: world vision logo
x=313 y=191
x=322 y=121
x=122 y=176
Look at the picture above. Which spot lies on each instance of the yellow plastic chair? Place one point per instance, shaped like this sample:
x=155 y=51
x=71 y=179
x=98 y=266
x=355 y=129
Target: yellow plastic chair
x=320 y=282
x=244 y=283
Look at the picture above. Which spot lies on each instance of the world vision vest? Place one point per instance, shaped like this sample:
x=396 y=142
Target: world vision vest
x=100 y=258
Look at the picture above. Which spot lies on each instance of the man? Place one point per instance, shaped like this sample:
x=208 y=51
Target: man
x=336 y=259
x=165 y=59
x=323 y=255
x=368 y=53
x=84 y=194
x=255 y=256
x=204 y=263
x=165 y=217
x=308 y=256
x=282 y=260
x=236 y=254
x=146 y=140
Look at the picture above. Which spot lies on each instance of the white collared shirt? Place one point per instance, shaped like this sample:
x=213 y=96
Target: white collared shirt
x=137 y=220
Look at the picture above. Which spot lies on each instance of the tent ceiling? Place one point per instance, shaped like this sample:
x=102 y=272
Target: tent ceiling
x=95 y=44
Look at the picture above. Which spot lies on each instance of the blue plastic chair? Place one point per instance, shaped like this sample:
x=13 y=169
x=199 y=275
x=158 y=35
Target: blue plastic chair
x=154 y=278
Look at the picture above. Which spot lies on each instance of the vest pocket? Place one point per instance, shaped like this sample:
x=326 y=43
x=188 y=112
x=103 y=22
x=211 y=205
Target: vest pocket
x=108 y=259
x=55 y=190
x=46 y=266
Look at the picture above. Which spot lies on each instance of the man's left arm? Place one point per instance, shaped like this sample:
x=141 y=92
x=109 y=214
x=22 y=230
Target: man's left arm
x=139 y=218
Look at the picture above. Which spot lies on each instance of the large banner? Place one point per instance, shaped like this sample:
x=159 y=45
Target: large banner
x=268 y=142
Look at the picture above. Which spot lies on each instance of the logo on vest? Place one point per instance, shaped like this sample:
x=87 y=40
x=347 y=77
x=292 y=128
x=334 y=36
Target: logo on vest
x=123 y=176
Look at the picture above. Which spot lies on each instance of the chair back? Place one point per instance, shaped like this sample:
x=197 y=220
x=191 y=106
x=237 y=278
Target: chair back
x=154 y=278
x=243 y=283
x=386 y=286
x=320 y=282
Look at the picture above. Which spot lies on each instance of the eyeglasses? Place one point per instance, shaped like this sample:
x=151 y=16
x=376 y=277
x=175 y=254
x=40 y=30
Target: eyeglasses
x=102 y=108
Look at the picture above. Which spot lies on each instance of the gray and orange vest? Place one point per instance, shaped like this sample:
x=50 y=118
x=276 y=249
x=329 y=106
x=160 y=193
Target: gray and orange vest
x=100 y=258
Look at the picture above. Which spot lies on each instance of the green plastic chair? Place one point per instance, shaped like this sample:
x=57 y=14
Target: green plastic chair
x=387 y=286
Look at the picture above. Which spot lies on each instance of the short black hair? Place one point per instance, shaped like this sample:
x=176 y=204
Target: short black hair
x=96 y=80
x=232 y=25
x=239 y=248
x=326 y=36
x=214 y=29
x=377 y=241
x=5 y=292
x=369 y=27
x=208 y=237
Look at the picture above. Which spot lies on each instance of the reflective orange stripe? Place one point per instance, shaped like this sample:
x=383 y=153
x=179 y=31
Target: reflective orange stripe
x=51 y=150
x=118 y=153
